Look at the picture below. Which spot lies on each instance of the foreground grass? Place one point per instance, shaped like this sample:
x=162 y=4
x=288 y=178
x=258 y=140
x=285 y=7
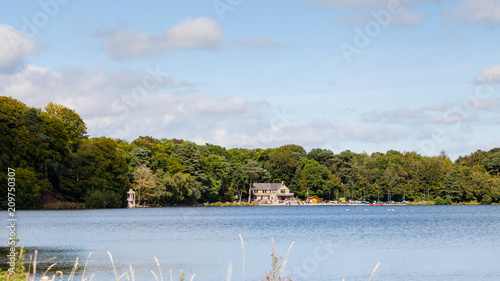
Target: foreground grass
x=276 y=273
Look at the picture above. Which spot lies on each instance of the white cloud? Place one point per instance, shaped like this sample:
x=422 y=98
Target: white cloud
x=14 y=48
x=371 y=134
x=454 y=118
x=191 y=33
x=443 y=106
x=111 y=106
x=477 y=11
x=489 y=75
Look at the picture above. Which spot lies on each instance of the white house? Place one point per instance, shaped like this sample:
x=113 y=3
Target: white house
x=271 y=191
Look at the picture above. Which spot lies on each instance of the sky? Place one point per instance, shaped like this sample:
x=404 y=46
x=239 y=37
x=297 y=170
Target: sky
x=360 y=75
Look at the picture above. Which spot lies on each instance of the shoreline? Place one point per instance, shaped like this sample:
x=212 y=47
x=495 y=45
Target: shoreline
x=228 y=204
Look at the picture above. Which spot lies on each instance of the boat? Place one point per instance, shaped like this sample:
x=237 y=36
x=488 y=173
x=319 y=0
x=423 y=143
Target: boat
x=376 y=204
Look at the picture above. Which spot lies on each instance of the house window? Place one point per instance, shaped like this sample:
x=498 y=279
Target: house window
x=283 y=191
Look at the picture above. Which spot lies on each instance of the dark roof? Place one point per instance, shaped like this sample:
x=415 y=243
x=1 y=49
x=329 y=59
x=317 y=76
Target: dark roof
x=267 y=186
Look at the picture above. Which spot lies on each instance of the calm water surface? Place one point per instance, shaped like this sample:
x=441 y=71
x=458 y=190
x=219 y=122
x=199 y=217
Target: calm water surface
x=331 y=242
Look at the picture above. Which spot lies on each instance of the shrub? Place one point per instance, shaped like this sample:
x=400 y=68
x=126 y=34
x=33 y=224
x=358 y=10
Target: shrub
x=441 y=201
x=97 y=199
x=17 y=270
x=63 y=206
x=486 y=200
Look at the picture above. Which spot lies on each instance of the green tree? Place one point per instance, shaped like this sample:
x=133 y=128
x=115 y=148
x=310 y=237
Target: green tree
x=492 y=161
x=217 y=170
x=75 y=127
x=97 y=165
x=316 y=179
x=29 y=188
x=144 y=184
x=323 y=156
x=253 y=170
x=282 y=165
x=456 y=186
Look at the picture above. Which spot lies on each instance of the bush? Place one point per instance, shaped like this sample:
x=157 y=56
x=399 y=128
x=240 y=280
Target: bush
x=63 y=206
x=16 y=270
x=441 y=201
x=486 y=200
x=97 y=199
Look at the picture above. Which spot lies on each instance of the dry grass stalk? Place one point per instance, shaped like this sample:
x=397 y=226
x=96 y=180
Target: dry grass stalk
x=286 y=259
x=85 y=268
x=73 y=271
x=55 y=274
x=113 y=263
x=131 y=275
x=52 y=265
x=375 y=269
x=34 y=264
x=119 y=278
x=156 y=277
x=243 y=248
x=159 y=268
x=229 y=271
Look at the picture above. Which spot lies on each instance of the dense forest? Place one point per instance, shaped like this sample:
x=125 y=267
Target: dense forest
x=55 y=161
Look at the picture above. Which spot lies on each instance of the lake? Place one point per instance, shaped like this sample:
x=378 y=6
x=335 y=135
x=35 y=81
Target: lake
x=331 y=242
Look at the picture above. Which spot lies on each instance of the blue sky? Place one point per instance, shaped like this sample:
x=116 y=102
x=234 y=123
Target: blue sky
x=364 y=75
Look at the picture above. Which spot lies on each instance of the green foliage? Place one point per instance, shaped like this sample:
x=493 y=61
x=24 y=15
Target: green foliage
x=63 y=206
x=96 y=165
x=53 y=156
x=492 y=161
x=16 y=264
x=253 y=170
x=145 y=183
x=29 y=188
x=73 y=123
x=316 y=180
x=97 y=199
x=282 y=165
x=440 y=201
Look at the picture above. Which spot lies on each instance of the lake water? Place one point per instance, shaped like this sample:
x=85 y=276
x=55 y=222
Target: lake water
x=331 y=242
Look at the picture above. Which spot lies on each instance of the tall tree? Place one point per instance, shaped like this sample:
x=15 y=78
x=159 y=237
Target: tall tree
x=253 y=170
x=492 y=161
x=144 y=184
x=75 y=127
x=282 y=165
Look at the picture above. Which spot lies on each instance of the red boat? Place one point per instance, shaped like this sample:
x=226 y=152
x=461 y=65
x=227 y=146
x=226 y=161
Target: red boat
x=376 y=204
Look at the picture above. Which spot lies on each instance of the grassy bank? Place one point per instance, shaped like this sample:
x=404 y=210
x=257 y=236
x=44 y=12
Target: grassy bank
x=229 y=204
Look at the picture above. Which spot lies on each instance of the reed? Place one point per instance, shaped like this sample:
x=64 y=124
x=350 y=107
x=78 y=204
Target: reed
x=276 y=273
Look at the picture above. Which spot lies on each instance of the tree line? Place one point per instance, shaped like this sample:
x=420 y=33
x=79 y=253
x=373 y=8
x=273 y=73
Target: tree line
x=54 y=159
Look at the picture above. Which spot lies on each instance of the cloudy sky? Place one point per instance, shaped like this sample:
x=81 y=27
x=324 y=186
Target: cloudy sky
x=364 y=75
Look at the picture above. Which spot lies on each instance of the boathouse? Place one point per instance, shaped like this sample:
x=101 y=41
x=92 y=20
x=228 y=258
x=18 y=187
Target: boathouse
x=271 y=191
